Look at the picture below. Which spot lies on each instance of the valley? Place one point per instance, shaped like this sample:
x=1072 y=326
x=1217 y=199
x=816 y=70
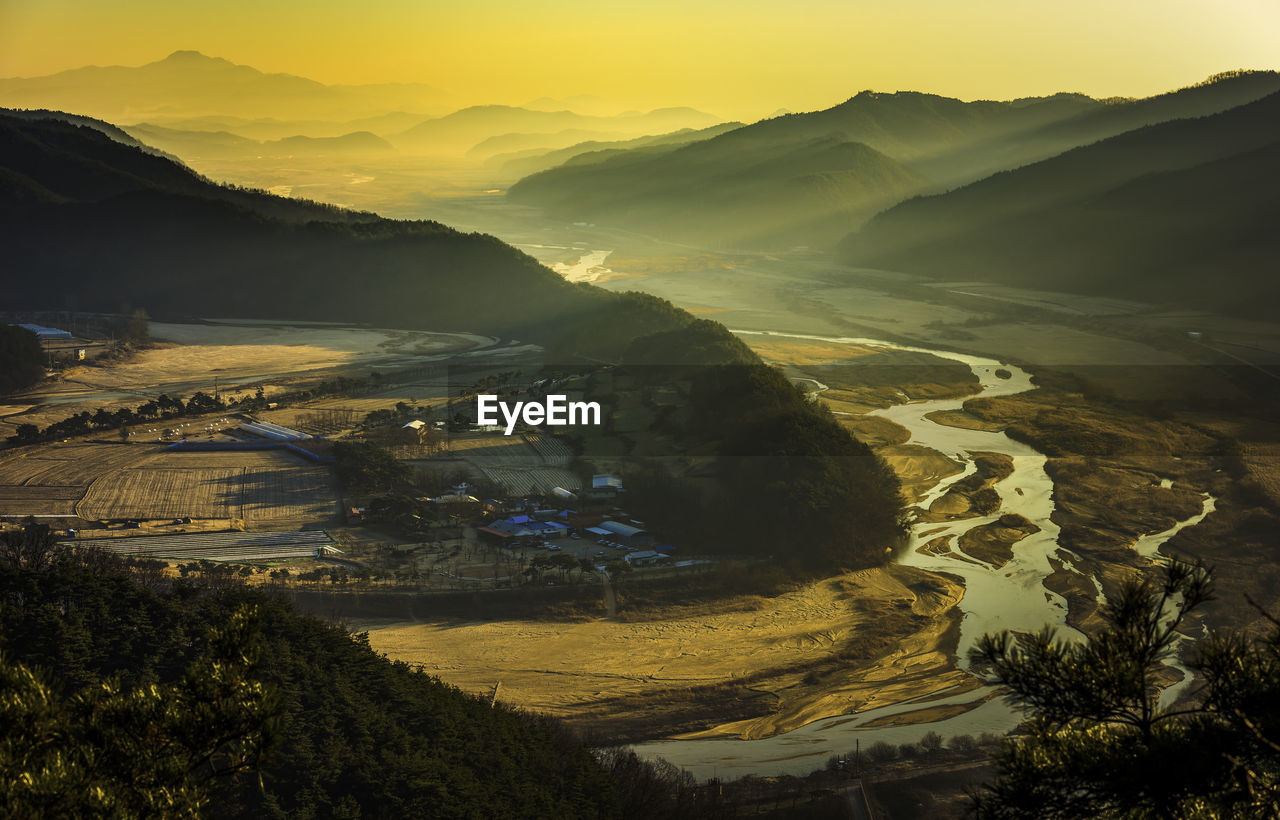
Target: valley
x=848 y=390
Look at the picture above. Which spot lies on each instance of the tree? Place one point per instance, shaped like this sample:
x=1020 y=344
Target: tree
x=1098 y=742
x=138 y=327
x=103 y=418
x=169 y=406
x=563 y=562
x=146 y=751
x=201 y=402
x=22 y=359
x=27 y=434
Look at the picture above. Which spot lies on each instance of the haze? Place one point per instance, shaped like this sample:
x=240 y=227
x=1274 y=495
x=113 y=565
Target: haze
x=740 y=60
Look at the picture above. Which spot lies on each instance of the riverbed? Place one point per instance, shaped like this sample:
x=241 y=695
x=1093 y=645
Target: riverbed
x=1012 y=596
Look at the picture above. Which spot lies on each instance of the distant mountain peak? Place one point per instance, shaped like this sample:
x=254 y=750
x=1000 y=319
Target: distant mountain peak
x=188 y=58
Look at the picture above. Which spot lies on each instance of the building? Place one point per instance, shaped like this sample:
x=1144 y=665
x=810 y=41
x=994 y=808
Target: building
x=412 y=433
x=46 y=334
x=604 y=489
x=645 y=558
x=549 y=529
x=626 y=533
x=454 y=498
x=272 y=432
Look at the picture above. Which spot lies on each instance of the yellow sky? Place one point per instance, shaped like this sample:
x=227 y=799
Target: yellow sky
x=735 y=58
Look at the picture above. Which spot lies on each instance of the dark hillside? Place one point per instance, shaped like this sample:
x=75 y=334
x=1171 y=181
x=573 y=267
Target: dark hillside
x=354 y=735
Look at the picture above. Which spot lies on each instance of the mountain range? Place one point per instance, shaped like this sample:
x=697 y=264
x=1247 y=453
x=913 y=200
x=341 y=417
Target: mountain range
x=200 y=145
x=191 y=92
x=465 y=129
x=1183 y=211
x=778 y=182
x=529 y=161
x=188 y=83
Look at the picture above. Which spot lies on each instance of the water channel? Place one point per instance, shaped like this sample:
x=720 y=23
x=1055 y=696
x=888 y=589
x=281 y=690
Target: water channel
x=1012 y=596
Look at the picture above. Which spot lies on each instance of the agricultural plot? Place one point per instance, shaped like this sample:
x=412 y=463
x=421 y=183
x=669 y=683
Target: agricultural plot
x=220 y=546
x=76 y=464
x=521 y=465
x=17 y=500
x=552 y=449
x=248 y=459
x=495 y=445
x=296 y=494
x=50 y=480
x=529 y=481
x=197 y=492
x=147 y=481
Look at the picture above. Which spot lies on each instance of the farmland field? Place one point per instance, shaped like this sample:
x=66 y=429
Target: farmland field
x=520 y=464
x=296 y=494
x=67 y=465
x=208 y=492
x=145 y=481
x=529 y=481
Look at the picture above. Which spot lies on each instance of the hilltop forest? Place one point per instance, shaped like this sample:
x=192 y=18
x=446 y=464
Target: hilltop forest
x=263 y=711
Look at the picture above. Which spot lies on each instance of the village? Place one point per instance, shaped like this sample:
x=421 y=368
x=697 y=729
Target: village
x=259 y=479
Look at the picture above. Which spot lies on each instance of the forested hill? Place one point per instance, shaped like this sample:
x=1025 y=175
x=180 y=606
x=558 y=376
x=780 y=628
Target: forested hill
x=1181 y=212
x=90 y=223
x=343 y=732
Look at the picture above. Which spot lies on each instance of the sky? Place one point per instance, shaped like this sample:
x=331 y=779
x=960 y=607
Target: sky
x=733 y=58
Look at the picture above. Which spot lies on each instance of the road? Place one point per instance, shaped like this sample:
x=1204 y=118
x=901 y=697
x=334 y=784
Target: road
x=610 y=599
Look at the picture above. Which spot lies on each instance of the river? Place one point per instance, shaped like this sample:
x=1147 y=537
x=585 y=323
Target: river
x=1012 y=596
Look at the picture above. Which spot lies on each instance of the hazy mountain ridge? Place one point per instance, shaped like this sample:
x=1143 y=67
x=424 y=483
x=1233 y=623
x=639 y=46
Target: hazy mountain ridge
x=68 y=158
x=524 y=142
x=266 y=129
x=909 y=125
x=758 y=172
x=1218 y=93
x=463 y=129
x=728 y=192
x=226 y=144
x=524 y=163
x=1183 y=211
x=936 y=142
x=190 y=83
x=99 y=246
